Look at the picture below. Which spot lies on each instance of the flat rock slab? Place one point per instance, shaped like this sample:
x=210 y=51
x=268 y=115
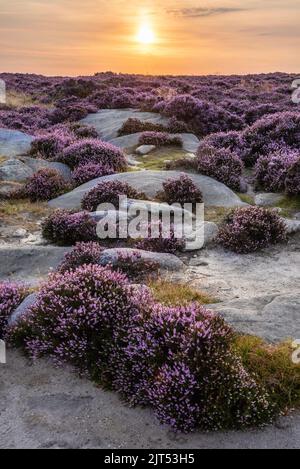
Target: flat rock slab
x=14 y=143
x=108 y=122
x=59 y=410
x=274 y=318
x=25 y=263
x=150 y=182
x=163 y=260
x=19 y=169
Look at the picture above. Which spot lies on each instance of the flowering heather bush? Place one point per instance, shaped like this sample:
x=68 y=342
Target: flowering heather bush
x=177 y=127
x=69 y=111
x=82 y=131
x=169 y=244
x=159 y=139
x=222 y=165
x=282 y=128
x=181 y=190
x=232 y=141
x=249 y=229
x=45 y=184
x=81 y=254
x=203 y=117
x=271 y=170
x=64 y=227
x=292 y=182
x=49 y=145
x=94 y=151
x=11 y=296
x=132 y=126
x=89 y=171
x=178 y=360
x=134 y=266
x=108 y=192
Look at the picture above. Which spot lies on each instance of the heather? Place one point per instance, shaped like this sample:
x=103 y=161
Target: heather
x=88 y=171
x=93 y=151
x=180 y=360
x=64 y=227
x=11 y=296
x=159 y=139
x=161 y=240
x=181 y=190
x=45 y=184
x=271 y=171
x=109 y=192
x=82 y=253
x=292 y=181
x=249 y=229
x=221 y=164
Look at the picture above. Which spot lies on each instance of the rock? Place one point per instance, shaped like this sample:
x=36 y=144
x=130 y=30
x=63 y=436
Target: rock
x=7 y=187
x=14 y=170
x=267 y=199
x=14 y=143
x=25 y=262
x=36 y=164
x=203 y=235
x=108 y=122
x=145 y=149
x=127 y=142
x=21 y=310
x=20 y=233
x=150 y=182
x=164 y=260
x=297 y=216
x=190 y=142
x=293 y=226
x=274 y=318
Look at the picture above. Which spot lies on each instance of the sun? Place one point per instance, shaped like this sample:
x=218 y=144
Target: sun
x=145 y=34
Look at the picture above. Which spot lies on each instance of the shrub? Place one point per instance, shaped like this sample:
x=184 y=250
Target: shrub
x=83 y=131
x=222 y=165
x=181 y=190
x=45 y=184
x=81 y=254
x=178 y=360
x=176 y=126
x=94 y=151
x=271 y=170
x=164 y=243
x=249 y=229
x=66 y=228
x=292 y=182
x=282 y=128
x=50 y=145
x=159 y=139
x=89 y=171
x=134 y=266
x=108 y=192
x=132 y=126
x=11 y=296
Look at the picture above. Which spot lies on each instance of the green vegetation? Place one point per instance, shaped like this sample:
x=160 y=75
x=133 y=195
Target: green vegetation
x=178 y=294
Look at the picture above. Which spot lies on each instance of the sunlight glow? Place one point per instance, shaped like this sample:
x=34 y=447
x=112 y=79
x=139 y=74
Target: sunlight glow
x=145 y=34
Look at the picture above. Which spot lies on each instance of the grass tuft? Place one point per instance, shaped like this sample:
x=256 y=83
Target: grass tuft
x=177 y=294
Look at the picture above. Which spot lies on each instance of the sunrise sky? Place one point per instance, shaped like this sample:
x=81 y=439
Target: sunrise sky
x=72 y=37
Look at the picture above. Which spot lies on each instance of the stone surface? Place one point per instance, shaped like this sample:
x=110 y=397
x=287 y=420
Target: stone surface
x=45 y=407
x=14 y=143
x=267 y=199
x=275 y=318
x=190 y=142
x=28 y=262
x=150 y=182
x=36 y=164
x=7 y=187
x=293 y=226
x=145 y=149
x=21 y=310
x=108 y=122
x=14 y=170
x=164 y=260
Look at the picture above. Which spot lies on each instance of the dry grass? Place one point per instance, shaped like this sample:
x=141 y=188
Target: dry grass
x=289 y=205
x=156 y=159
x=177 y=294
x=22 y=213
x=216 y=214
x=274 y=368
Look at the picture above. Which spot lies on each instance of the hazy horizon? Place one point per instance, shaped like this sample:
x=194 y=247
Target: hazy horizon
x=188 y=37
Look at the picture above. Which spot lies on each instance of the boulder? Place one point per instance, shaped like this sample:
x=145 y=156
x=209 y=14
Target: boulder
x=293 y=226
x=7 y=187
x=163 y=260
x=21 y=310
x=150 y=182
x=14 y=143
x=108 y=122
x=274 y=318
x=14 y=170
x=36 y=164
x=145 y=149
x=267 y=199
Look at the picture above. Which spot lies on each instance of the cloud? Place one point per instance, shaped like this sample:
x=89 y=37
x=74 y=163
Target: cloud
x=201 y=12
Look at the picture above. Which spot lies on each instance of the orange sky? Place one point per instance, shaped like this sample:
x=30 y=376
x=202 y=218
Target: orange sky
x=72 y=37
